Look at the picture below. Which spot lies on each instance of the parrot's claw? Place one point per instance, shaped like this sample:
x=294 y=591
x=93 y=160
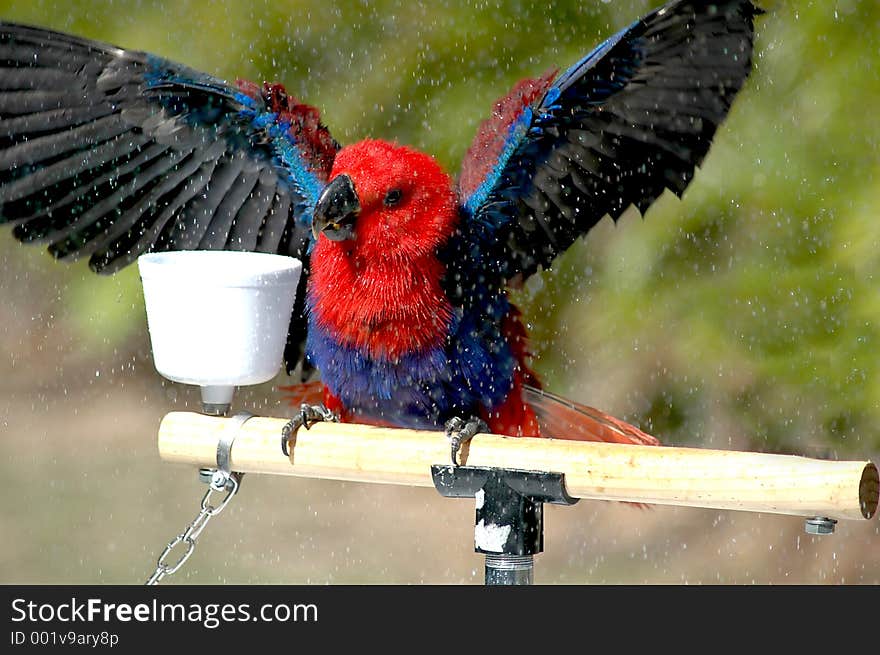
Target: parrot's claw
x=307 y=417
x=459 y=431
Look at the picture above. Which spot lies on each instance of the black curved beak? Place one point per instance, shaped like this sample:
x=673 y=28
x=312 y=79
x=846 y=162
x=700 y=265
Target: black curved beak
x=336 y=210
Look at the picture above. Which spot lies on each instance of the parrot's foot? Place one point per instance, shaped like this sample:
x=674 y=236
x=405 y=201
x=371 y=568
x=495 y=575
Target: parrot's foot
x=307 y=417
x=459 y=431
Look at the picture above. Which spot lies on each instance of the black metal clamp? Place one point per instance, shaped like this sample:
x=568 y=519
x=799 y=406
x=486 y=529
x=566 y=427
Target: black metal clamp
x=509 y=524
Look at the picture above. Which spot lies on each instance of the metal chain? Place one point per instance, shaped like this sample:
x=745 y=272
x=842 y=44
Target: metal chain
x=220 y=481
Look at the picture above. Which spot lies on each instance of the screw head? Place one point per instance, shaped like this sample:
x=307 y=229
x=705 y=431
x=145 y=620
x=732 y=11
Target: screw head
x=820 y=525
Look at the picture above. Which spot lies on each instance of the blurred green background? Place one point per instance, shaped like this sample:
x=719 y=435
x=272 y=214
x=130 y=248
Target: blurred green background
x=742 y=316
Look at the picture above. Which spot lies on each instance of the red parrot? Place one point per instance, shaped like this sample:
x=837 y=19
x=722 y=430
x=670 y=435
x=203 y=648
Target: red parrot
x=404 y=307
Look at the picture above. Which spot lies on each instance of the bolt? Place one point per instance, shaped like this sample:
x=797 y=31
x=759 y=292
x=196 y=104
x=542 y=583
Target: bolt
x=219 y=480
x=206 y=475
x=820 y=525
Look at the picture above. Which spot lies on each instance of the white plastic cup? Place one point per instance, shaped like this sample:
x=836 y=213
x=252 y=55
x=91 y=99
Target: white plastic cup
x=218 y=319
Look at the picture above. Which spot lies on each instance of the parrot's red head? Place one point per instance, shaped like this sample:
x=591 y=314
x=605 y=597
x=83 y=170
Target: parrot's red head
x=386 y=201
x=375 y=279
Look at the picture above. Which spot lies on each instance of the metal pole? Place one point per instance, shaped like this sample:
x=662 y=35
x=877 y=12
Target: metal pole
x=509 y=569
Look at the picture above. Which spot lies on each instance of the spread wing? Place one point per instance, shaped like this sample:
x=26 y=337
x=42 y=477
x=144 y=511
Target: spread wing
x=632 y=118
x=109 y=153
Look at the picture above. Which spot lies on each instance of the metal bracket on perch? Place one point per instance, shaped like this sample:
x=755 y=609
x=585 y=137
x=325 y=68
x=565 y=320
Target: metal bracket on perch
x=509 y=524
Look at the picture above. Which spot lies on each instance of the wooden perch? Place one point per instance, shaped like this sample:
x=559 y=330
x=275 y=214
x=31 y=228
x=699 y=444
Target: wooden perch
x=694 y=477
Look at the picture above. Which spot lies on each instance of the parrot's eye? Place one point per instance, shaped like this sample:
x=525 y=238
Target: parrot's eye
x=393 y=197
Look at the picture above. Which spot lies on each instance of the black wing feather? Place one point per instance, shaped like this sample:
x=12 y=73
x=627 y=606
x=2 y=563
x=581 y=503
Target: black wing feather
x=634 y=117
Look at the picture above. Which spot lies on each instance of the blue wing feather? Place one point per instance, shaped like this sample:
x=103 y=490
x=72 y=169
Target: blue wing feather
x=515 y=135
x=302 y=176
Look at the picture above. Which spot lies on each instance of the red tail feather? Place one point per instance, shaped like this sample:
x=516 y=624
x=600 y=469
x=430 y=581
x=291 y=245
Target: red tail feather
x=310 y=393
x=560 y=418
